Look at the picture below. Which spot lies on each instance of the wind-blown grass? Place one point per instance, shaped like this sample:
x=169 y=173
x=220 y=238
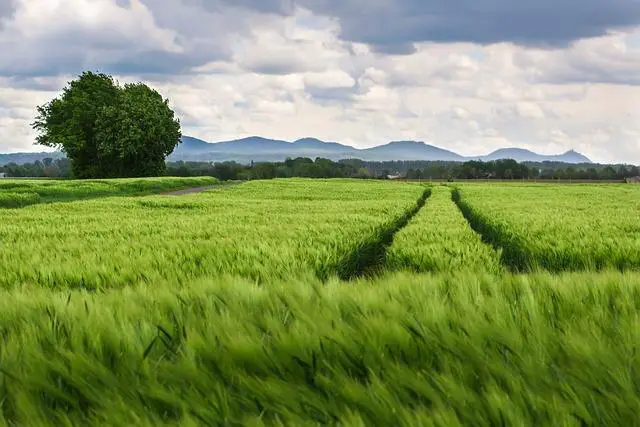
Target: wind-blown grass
x=557 y=228
x=18 y=192
x=465 y=349
x=18 y=200
x=259 y=230
x=226 y=308
x=368 y=256
x=439 y=239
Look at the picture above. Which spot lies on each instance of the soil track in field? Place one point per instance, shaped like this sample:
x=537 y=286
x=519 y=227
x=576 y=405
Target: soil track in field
x=515 y=254
x=368 y=258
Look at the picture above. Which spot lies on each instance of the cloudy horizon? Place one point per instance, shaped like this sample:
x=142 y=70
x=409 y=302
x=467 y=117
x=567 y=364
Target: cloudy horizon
x=470 y=77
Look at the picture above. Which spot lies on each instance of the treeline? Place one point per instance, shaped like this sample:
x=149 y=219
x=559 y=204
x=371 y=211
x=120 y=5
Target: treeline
x=300 y=167
x=324 y=168
x=47 y=168
x=498 y=169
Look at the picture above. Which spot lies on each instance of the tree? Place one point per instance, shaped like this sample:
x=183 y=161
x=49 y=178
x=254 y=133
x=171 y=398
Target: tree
x=109 y=131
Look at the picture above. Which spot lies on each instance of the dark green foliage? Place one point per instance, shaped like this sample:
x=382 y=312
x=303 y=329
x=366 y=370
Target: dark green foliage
x=299 y=167
x=500 y=169
x=135 y=135
x=324 y=168
x=45 y=168
x=109 y=131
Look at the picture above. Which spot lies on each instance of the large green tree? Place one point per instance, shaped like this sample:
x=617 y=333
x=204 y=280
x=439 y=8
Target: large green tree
x=107 y=130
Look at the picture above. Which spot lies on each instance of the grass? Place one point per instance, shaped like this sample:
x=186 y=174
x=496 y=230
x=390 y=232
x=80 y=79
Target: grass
x=439 y=239
x=19 y=193
x=452 y=349
x=568 y=228
x=368 y=256
x=276 y=303
x=261 y=230
x=18 y=200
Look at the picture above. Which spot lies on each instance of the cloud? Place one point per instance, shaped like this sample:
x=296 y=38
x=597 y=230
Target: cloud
x=467 y=76
x=55 y=37
x=603 y=60
x=525 y=110
x=329 y=79
x=548 y=23
x=288 y=45
x=51 y=37
x=271 y=53
x=7 y=8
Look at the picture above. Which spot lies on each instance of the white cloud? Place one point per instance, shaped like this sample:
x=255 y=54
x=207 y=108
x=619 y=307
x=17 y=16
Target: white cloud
x=231 y=72
x=46 y=36
x=607 y=59
x=329 y=79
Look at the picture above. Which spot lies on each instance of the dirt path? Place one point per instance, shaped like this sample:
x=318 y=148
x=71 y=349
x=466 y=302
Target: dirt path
x=196 y=189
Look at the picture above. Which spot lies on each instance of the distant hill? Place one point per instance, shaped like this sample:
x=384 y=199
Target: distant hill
x=21 y=158
x=409 y=150
x=263 y=149
x=259 y=149
x=522 y=155
x=190 y=144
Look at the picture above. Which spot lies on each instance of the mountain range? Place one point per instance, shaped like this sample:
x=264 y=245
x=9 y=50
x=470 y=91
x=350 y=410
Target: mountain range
x=260 y=149
x=22 y=158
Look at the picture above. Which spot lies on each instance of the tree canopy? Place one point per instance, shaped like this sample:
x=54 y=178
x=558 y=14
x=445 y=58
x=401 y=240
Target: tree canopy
x=108 y=130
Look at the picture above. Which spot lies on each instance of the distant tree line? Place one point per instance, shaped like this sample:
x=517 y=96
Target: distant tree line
x=498 y=169
x=324 y=168
x=47 y=168
x=298 y=167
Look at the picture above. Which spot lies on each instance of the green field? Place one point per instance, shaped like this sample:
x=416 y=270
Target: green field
x=20 y=193
x=439 y=239
x=309 y=302
x=579 y=227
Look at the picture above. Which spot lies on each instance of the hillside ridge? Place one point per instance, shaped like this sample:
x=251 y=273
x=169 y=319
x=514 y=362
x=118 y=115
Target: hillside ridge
x=257 y=148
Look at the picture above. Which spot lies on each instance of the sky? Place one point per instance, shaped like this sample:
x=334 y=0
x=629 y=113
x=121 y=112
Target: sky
x=471 y=76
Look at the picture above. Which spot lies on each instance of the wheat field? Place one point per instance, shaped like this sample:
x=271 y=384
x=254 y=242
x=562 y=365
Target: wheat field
x=308 y=302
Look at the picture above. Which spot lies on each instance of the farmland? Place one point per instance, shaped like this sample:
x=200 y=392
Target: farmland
x=439 y=239
x=581 y=227
x=305 y=302
x=20 y=193
x=260 y=230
